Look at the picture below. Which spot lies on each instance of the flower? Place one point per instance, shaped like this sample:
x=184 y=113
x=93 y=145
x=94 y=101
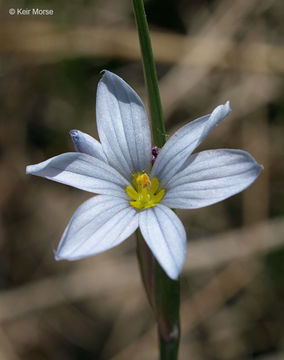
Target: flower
x=131 y=192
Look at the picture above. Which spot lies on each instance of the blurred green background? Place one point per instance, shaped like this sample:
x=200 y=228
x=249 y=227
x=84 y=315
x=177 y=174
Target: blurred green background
x=207 y=52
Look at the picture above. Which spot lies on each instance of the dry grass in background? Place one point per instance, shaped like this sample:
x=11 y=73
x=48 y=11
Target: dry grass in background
x=207 y=52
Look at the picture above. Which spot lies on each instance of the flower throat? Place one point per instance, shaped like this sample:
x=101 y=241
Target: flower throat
x=145 y=193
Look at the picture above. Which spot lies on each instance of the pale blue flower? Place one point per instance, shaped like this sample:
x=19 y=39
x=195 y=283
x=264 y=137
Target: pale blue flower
x=131 y=192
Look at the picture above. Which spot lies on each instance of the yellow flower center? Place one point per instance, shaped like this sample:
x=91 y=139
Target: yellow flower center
x=145 y=193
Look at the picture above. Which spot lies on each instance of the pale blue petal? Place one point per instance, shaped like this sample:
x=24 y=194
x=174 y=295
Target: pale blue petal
x=123 y=126
x=209 y=177
x=83 y=172
x=86 y=144
x=99 y=224
x=165 y=236
x=177 y=149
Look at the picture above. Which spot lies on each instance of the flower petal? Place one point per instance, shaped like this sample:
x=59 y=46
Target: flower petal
x=165 y=236
x=177 y=149
x=209 y=177
x=123 y=126
x=83 y=172
x=99 y=224
x=86 y=144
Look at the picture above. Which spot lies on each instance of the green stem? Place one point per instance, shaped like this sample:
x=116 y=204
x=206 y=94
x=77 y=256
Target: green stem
x=164 y=296
x=168 y=351
x=163 y=293
x=150 y=74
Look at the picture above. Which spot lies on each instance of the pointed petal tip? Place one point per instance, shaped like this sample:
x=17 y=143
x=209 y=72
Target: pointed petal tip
x=106 y=74
x=110 y=77
x=221 y=111
x=73 y=132
x=57 y=257
x=259 y=167
x=74 y=135
x=107 y=78
x=28 y=169
x=174 y=276
x=228 y=106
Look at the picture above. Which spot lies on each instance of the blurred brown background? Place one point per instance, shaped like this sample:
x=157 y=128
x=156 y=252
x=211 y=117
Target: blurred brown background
x=207 y=52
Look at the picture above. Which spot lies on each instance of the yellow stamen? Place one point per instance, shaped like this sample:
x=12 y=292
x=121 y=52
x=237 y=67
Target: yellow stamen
x=154 y=185
x=131 y=193
x=143 y=181
x=144 y=192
